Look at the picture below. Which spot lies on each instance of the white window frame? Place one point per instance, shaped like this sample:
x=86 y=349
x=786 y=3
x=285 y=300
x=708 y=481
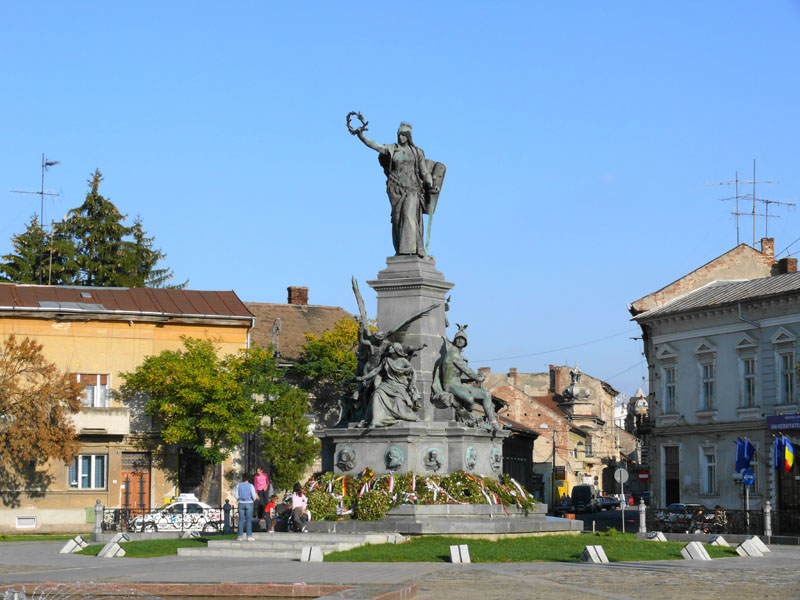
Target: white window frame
x=95 y=394
x=708 y=470
x=707 y=373
x=749 y=381
x=78 y=469
x=669 y=375
x=786 y=387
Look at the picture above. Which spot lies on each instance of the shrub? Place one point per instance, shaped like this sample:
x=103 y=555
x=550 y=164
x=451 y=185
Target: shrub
x=372 y=506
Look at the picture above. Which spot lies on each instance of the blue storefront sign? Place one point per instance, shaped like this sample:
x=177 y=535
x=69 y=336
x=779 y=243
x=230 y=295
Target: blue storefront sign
x=783 y=422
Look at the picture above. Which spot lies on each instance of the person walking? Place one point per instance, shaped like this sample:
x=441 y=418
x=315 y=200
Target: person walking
x=261 y=483
x=245 y=494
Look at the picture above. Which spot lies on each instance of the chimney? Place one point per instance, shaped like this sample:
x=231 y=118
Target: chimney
x=512 y=375
x=768 y=247
x=297 y=294
x=787 y=265
x=484 y=371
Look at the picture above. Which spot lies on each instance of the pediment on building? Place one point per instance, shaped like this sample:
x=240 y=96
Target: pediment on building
x=746 y=342
x=783 y=336
x=666 y=351
x=704 y=347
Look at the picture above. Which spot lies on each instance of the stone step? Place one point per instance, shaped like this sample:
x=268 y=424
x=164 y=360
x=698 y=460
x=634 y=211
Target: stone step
x=314 y=538
x=288 y=545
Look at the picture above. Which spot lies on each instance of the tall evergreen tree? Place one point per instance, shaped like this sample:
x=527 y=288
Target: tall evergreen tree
x=146 y=259
x=39 y=257
x=26 y=263
x=99 y=233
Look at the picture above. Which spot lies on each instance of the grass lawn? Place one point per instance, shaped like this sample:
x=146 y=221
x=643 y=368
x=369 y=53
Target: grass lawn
x=551 y=548
x=38 y=538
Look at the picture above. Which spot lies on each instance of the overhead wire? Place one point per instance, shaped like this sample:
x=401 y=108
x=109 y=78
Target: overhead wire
x=608 y=337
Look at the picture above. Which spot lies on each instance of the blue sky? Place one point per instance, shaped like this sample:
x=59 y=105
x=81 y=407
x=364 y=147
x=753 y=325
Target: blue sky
x=578 y=138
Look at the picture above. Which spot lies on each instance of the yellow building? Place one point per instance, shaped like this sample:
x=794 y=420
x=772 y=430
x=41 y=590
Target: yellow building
x=96 y=333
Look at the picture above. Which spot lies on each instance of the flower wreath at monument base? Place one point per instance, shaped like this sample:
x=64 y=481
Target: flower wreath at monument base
x=369 y=497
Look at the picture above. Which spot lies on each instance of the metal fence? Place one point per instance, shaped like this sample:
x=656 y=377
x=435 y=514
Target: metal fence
x=746 y=522
x=151 y=521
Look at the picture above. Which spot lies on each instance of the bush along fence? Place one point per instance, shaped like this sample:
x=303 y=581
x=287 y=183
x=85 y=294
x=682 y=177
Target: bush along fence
x=369 y=497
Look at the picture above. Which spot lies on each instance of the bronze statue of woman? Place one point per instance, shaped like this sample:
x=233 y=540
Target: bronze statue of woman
x=411 y=188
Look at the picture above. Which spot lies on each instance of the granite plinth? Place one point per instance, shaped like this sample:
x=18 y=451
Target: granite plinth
x=463 y=520
x=457 y=447
x=407 y=285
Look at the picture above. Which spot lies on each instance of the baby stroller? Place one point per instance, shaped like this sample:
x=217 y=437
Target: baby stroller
x=284 y=519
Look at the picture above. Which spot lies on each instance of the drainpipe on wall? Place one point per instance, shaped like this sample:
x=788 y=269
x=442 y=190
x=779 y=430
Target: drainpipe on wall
x=742 y=318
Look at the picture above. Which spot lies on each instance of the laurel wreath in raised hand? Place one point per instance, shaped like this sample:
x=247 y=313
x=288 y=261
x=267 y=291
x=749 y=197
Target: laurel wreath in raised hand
x=360 y=117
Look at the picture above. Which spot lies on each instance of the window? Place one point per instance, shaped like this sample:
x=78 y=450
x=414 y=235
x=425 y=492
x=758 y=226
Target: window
x=670 y=387
x=707 y=386
x=95 y=389
x=748 y=382
x=786 y=366
x=708 y=471
x=88 y=471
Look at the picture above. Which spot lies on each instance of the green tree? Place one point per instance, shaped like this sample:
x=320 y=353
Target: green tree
x=39 y=257
x=37 y=402
x=326 y=365
x=27 y=262
x=206 y=403
x=92 y=247
x=289 y=446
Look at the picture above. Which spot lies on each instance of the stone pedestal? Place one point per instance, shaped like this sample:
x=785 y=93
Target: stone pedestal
x=407 y=285
x=469 y=449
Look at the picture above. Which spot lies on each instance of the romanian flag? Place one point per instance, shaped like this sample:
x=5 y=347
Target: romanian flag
x=788 y=455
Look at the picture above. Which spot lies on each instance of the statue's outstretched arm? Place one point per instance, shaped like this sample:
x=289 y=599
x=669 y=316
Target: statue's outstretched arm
x=371 y=143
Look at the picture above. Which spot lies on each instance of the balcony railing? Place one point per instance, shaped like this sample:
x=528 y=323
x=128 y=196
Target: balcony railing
x=114 y=420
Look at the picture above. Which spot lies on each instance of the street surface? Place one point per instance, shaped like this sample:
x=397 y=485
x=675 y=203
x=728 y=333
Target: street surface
x=776 y=576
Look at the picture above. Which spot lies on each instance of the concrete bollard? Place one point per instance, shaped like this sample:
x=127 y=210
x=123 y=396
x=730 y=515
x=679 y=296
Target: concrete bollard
x=98 y=521
x=112 y=549
x=311 y=554
x=694 y=551
x=459 y=554
x=749 y=548
x=656 y=536
x=594 y=554
x=717 y=540
x=642 y=516
x=73 y=545
x=768 y=520
x=756 y=541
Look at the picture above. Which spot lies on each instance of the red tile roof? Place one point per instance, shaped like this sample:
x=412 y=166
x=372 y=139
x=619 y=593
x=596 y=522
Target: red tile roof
x=149 y=301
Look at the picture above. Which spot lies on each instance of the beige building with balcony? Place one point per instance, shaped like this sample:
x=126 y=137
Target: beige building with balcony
x=95 y=334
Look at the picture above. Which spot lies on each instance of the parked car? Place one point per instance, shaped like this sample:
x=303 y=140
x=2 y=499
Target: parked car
x=563 y=507
x=608 y=502
x=584 y=497
x=180 y=516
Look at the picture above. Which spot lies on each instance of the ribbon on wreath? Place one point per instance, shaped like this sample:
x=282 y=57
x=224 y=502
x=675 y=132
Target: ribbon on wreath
x=413 y=482
x=364 y=488
x=391 y=483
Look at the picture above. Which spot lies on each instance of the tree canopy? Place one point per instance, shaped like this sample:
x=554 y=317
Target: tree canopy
x=326 y=365
x=37 y=402
x=207 y=403
x=92 y=247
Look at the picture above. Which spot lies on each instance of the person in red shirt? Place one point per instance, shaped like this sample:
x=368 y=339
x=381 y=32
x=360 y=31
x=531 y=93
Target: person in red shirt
x=269 y=513
x=261 y=483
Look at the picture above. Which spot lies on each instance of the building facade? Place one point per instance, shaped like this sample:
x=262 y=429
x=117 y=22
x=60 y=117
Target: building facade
x=572 y=413
x=721 y=348
x=95 y=334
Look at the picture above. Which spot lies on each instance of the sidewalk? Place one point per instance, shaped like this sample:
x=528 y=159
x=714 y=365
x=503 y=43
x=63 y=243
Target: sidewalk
x=775 y=576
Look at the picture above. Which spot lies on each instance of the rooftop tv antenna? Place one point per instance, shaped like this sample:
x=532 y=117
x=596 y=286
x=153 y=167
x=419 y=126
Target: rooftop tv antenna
x=46 y=164
x=765 y=201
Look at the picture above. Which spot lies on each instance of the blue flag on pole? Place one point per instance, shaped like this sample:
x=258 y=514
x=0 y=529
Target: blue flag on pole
x=745 y=451
x=778 y=452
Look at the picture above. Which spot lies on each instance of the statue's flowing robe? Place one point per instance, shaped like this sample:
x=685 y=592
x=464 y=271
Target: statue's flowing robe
x=407 y=198
x=393 y=399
